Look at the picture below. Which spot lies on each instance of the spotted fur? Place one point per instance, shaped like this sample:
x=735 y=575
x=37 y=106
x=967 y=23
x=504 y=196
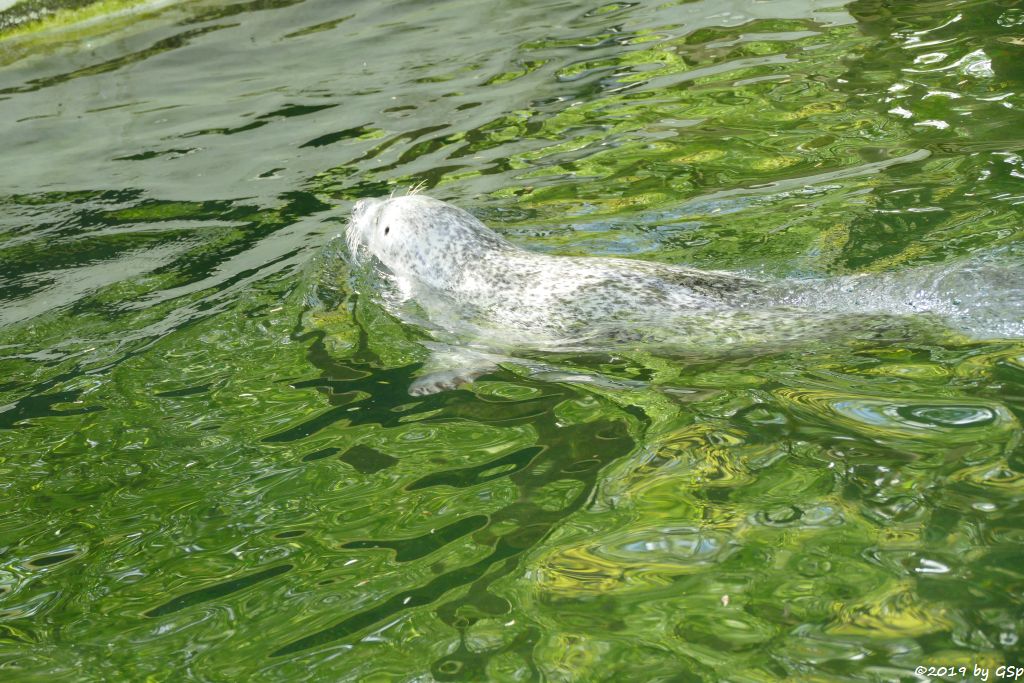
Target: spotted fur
x=472 y=282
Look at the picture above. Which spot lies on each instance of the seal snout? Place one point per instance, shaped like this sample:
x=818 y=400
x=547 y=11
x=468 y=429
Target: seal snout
x=361 y=222
x=364 y=206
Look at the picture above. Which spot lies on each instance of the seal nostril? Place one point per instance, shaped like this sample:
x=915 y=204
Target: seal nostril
x=387 y=229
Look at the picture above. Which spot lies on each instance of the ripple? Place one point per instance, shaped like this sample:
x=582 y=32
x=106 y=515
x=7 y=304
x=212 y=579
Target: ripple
x=204 y=412
x=940 y=422
x=891 y=614
x=946 y=416
x=213 y=592
x=630 y=561
x=727 y=630
x=52 y=559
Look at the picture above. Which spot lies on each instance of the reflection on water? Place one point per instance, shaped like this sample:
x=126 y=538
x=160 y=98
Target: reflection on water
x=215 y=469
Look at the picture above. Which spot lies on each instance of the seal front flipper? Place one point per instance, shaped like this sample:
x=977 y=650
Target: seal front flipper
x=450 y=367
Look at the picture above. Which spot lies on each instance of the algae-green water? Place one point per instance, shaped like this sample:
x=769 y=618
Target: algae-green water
x=211 y=469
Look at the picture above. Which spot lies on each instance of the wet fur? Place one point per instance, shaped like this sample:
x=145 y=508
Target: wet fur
x=466 y=276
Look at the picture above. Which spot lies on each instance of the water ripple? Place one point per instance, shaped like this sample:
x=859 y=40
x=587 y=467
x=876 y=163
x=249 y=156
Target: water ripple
x=206 y=424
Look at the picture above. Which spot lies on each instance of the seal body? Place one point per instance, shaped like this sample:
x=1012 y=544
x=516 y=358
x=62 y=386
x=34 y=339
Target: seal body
x=475 y=283
x=484 y=298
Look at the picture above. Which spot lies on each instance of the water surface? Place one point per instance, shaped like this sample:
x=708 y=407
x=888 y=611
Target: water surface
x=211 y=466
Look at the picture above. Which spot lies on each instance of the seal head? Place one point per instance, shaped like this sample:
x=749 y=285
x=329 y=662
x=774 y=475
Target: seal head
x=422 y=239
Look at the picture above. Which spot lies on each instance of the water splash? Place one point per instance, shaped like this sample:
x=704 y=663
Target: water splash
x=981 y=296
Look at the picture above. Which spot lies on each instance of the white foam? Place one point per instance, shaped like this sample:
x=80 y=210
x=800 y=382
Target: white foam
x=981 y=296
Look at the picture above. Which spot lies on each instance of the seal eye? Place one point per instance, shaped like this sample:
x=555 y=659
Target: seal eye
x=387 y=229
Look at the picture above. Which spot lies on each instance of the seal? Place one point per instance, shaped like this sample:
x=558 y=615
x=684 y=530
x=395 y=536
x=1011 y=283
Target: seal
x=437 y=253
x=485 y=299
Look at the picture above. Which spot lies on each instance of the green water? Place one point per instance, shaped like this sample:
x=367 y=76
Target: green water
x=209 y=464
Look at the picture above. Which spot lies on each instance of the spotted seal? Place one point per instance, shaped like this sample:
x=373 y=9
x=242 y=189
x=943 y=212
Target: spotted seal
x=439 y=252
x=485 y=297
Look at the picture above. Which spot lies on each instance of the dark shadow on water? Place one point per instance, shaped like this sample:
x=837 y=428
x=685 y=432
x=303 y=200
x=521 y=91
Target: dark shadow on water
x=562 y=452
x=366 y=460
x=217 y=591
x=421 y=546
x=470 y=476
